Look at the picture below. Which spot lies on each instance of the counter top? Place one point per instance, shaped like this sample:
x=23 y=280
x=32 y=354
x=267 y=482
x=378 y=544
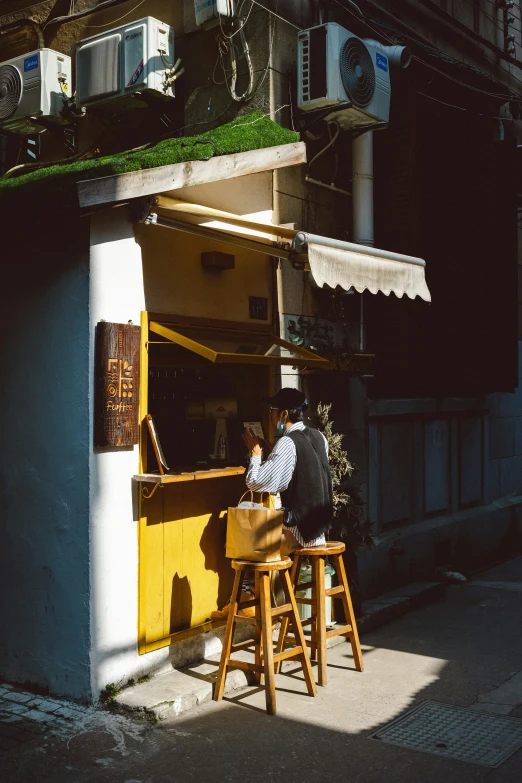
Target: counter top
x=197 y=475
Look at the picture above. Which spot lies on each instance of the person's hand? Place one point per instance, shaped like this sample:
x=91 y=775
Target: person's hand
x=267 y=447
x=252 y=443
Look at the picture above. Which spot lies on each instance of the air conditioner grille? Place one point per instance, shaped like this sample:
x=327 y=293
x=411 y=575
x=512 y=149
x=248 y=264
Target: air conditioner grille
x=98 y=69
x=305 y=66
x=10 y=91
x=357 y=72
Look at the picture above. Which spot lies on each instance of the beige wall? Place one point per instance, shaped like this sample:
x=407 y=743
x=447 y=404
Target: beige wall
x=175 y=281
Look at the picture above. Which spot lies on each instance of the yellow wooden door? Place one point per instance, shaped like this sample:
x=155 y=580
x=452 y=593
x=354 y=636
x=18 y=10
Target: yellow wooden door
x=184 y=574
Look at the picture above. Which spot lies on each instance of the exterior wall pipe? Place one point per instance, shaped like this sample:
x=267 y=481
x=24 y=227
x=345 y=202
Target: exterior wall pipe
x=398 y=56
x=362 y=204
x=362 y=189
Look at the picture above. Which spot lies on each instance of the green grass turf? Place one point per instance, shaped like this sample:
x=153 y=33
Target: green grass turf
x=249 y=132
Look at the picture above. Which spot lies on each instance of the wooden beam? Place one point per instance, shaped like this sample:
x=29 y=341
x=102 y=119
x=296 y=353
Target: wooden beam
x=149 y=182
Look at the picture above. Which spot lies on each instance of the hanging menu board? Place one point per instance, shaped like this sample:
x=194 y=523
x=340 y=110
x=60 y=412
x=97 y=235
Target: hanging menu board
x=117 y=384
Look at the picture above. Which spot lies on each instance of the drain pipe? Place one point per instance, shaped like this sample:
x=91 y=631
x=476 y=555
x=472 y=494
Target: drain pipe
x=362 y=204
x=362 y=173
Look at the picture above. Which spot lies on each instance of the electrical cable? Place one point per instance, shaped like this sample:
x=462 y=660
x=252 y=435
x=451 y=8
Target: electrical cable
x=442 y=55
x=331 y=142
x=27 y=8
x=231 y=84
x=24 y=22
x=512 y=96
x=84 y=12
x=499 y=26
x=63 y=161
x=463 y=108
x=114 y=21
x=287 y=21
x=448 y=58
x=229 y=37
x=270 y=48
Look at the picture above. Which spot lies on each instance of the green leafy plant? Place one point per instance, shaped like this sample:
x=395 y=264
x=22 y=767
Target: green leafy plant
x=349 y=521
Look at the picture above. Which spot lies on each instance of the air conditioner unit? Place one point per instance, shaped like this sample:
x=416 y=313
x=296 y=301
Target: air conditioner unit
x=338 y=70
x=33 y=85
x=113 y=65
x=210 y=12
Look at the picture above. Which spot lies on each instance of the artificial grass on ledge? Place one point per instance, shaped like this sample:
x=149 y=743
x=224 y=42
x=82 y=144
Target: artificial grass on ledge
x=249 y=132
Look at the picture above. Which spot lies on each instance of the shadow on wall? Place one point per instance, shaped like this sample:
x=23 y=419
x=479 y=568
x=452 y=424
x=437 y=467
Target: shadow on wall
x=180 y=604
x=215 y=559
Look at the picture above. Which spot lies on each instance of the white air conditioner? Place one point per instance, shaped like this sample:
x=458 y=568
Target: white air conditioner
x=113 y=65
x=338 y=70
x=33 y=85
x=210 y=12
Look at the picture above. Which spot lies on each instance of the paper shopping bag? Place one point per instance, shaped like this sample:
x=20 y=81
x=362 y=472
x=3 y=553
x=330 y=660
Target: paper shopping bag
x=254 y=532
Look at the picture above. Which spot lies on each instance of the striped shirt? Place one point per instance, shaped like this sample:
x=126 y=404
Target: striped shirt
x=275 y=473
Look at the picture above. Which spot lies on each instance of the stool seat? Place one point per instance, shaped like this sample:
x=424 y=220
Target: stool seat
x=319 y=633
x=330 y=548
x=273 y=565
x=265 y=659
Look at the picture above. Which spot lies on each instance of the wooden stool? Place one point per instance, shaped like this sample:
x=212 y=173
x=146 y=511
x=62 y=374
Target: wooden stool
x=319 y=635
x=265 y=660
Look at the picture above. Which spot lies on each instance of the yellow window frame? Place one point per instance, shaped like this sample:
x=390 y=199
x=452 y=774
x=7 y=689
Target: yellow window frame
x=303 y=358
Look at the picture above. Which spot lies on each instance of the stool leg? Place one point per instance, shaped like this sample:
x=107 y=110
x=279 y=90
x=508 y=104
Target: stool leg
x=299 y=635
x=313 y=611
x=320 y=624
x=259 y=678
x=294 y=577
x=266 y=638
x=219 y=687
x=349 y=613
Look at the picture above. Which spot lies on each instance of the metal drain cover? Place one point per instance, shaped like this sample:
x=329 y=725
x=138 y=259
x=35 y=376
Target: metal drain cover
x=456 y=733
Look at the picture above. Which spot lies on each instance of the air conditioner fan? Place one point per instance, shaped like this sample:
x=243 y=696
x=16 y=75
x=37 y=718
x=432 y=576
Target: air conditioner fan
x=10 y=91
x=357 y=72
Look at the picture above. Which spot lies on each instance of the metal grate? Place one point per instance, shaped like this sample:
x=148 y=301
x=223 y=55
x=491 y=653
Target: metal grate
x=10 y=91
x=305 y=66
x=357 y=72
x=456 y=733
x=98 y=69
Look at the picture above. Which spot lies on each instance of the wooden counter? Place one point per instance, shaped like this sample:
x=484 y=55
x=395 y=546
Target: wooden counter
x=197 y=475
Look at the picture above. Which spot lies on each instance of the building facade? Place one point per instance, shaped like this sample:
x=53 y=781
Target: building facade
x=433 y=424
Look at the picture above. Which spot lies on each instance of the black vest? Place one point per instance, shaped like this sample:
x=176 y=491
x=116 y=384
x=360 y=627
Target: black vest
x=309 y=495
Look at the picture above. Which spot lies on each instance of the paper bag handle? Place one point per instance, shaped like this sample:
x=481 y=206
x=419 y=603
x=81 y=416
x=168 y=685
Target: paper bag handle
x=252 y=495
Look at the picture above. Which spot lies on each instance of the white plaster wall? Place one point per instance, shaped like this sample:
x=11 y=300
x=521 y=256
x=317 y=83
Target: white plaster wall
x=116 y=295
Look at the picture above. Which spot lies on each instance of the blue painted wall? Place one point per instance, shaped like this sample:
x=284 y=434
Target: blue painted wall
x=44 y=467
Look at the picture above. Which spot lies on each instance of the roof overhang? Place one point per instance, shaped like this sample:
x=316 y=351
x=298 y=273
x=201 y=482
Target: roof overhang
x=119 y=188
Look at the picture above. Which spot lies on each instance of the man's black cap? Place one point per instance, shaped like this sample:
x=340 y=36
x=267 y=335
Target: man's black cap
x=288 y=399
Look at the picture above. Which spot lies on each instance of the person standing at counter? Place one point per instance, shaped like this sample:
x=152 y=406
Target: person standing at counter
x=297 y=468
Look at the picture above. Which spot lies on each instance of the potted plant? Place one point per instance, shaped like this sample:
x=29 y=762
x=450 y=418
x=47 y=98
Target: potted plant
x=349 y=524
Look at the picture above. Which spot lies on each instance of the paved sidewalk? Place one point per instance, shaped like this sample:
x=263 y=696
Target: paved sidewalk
x=464 y=651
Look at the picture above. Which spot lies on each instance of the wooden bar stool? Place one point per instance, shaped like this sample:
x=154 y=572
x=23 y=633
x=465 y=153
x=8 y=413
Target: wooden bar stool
x=319 y=634
x=265 y=660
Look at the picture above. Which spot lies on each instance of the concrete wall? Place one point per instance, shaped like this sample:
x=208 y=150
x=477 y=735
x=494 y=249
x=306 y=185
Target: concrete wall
x=130 y=271
x=44 y=425
x=505 y=441
x=445 y=486
x=115 y=294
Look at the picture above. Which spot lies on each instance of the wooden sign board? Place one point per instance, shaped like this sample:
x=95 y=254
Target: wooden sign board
x=117 y=384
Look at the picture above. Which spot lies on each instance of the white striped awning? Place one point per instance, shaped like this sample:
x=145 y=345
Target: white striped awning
x=332 y=262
